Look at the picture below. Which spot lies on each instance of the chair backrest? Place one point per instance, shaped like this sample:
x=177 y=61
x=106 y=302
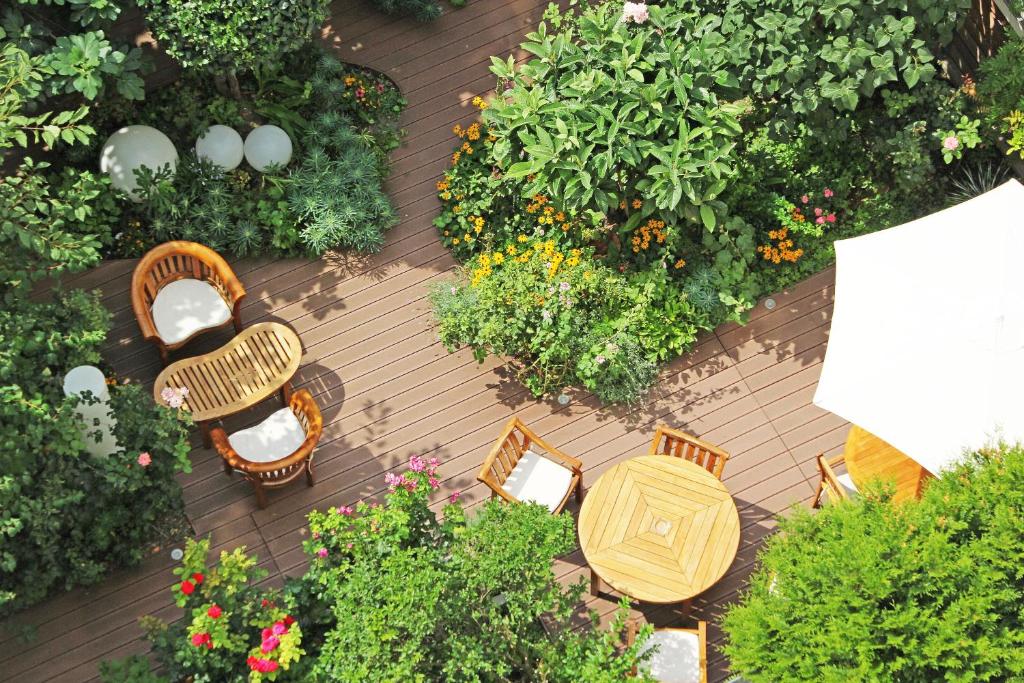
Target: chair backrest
x=512 y=444
x=830 y=483
x=668 y=441
x=307 y=412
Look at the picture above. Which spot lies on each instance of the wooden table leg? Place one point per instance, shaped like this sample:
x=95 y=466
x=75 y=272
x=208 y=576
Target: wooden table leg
x=286 y=394
x=204 y=429
x=684 y=608
x=595 y=583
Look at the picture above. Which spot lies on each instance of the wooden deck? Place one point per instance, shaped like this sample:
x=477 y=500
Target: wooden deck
x=389 y=390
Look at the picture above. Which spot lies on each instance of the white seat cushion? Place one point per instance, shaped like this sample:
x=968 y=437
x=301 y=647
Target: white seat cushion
x=677 y=659
x=277 y=437
x=846 y=481
x=536 y=479
x=184 y=307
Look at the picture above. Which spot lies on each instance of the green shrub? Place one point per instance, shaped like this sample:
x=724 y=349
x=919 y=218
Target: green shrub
x=393 y=593
x=421 y=10
x=927 y=591
x=52 y=223
x=235 y=38
x=1001 y=92
x=812 y=60
x=67 y=518
x=611 y=111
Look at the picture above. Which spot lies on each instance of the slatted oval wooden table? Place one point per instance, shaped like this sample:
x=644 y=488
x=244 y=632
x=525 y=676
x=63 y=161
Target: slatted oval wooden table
x=658 y=529
x=258 y=362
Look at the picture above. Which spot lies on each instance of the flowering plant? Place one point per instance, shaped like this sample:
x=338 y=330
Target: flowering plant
x=964 y=136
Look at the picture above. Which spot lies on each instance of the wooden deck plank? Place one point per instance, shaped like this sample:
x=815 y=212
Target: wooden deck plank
x=388 y=389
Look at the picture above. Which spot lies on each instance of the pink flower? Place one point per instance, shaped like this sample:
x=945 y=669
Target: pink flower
x=270 y=644
x=380 y=87
x=214 y=612
x=819 y=220
x=279 y=629
x=818 y=211
x=635 y=12
x=265 y=666
x=805 y=199
x=831 y=218
x=322 y=552
x=360 y=93
x=144 y=459
x=433 y=462
x=416 y=464
x=393 y=480
x=827 y=192
x=951 y=142
x=435 y=482
x=349 y=546
x=266 y=633
x=454 y=497
x=599 y=359
x=345 y=510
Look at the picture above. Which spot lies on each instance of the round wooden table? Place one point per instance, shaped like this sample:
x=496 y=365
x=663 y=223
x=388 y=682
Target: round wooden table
x=659 y=529
x=868 y=457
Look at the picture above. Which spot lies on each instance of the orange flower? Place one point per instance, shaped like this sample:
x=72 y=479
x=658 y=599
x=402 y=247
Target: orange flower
x=637 y=203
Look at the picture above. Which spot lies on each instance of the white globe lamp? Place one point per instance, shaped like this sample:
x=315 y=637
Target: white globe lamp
x=221 y=145
x=131 y=148
x=94 y=417
x=268 y=146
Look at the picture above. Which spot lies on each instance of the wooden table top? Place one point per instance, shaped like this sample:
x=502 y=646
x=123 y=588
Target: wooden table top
x=243 y=372
x=659 y=529
x=868 y=457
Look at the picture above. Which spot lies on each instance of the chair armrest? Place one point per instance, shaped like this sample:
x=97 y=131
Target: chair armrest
x=220 y=442
x=575 y=464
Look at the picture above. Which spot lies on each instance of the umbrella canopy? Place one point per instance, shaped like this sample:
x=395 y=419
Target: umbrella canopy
x=926 y=349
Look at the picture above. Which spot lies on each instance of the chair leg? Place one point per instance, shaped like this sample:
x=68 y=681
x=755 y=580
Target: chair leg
x=204 y=429
x=595 y=583
x=817 y=496
x=579 y=490
x=227 y=468
x=261 y=495
x=237 y=320
x=286 y=394
x=310 y=480
x=164 y=358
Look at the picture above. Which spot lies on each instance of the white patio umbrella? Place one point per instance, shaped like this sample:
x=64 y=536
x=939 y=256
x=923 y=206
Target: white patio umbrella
x=926 y=349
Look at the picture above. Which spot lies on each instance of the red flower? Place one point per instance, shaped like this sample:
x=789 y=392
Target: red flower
x=201 y=639
x=264 y=602
x=187 y=587
x=289 y=620
x=214 y=612
x=198 y=578
x=266 y=633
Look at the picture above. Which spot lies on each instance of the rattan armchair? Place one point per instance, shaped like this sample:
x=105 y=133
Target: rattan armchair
x=276 y=451
x=668 y=441
x=181 y=289
x=837 y=487
x=521 y=467
x=682 y=654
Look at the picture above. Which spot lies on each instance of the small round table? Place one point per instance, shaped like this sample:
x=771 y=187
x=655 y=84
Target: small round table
x=659 y=529
x=868 y=457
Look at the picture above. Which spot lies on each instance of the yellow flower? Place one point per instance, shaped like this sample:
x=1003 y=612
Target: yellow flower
x=466 y=148
x=349 y=80
x=457 y=208
x=521 y=238
x=680 y=263
x=442 y=185
x=499 y=258
x=456 y=157
x=560 y=217
x=455 y=241
x=637 y=203
x=458 y=130
x=484 y=259
x=446 y=195
x=511 y=250
x=479 y=102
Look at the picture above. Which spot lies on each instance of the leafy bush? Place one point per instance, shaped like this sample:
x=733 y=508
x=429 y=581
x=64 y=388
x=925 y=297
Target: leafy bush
x=562 y=317
x=1001 y=91
x=928 y=591
x=41 y=65
x=393 y=594
x=611 y=111
x=52 y=223
x=67 y=518
x=422 y=10
x=235 y=38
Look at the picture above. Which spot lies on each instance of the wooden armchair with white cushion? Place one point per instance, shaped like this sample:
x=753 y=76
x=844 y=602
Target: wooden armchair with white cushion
x=837 y=487
x=181 y=289
x=681 y=655
x=277 y=450
x=522 y=468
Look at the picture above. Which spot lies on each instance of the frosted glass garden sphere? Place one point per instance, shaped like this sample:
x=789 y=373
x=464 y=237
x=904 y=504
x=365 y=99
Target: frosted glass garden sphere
x=133 y=147
x=222 y=146
x=267 y=146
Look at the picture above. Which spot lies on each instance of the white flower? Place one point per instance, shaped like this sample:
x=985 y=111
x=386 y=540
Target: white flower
x=546 y=315
x=455 y=289
x=635 y=12
x=599 y=360
x=563 y=286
